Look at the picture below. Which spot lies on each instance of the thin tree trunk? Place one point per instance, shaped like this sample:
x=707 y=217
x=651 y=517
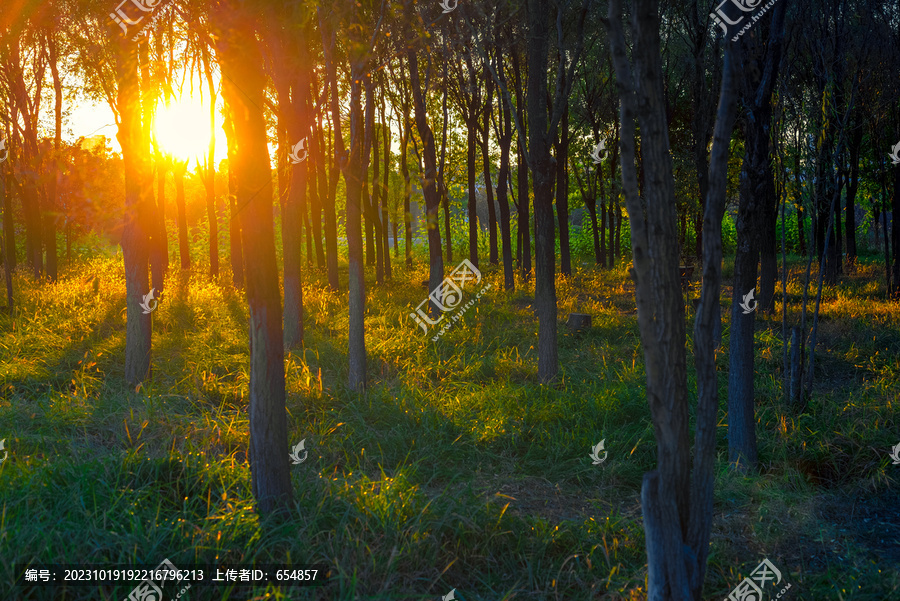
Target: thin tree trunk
x=562 y=195
x=509 y=280
x=436 y=271
x=234 y=224
x=385 y=221
x=178 y=171
x=486 y=161
x=209 y=175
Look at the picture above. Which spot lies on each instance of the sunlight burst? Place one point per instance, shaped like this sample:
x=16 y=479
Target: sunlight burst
x=182 y=129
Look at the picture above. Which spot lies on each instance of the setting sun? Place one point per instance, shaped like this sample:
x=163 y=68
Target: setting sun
x=182 y=129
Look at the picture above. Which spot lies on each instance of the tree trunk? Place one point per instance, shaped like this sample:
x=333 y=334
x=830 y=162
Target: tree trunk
x=486 y=161
x=240 y=60
x=509 y=281
x=562 y=195
x=541 y=167
x=407 y=189
x=355 y=175
x=339 y=154
x=895 y=230
x=234 y=223
x=9 y=256
x=385 y=221
x=522 y=174
x=209 y=175
x=178 y=171
x=374 y=214
x=756 y=215
x=135 y=236
x=52 y=209
x=472 y=208
x=436 y=271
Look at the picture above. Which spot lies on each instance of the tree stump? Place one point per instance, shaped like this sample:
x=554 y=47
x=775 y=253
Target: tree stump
x=578 y=322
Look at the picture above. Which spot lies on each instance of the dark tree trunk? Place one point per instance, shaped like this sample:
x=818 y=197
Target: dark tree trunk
x=522 y=176
x=441 y=186
x=9 y=256
x=51 y=211
x=209 y=176
x=562 y=195
x=374 y=215
x=234 y=223
x=135 y=236
x=757 y=195
x=895 y=230
x=677 y=505
x=509 y=281
x=471 y=208
x=542 y=169
x=407 y=189
x=355 y=176
x=159 y=252
x=9 y=230
x=486 y=160
x=240 y=61
x=852 y=188
x=338 y=154
x=178 y=171
x=436 y=271
x=385 y=221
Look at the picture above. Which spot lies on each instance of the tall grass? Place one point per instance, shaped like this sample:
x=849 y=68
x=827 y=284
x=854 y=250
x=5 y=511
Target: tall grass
x=457 y=469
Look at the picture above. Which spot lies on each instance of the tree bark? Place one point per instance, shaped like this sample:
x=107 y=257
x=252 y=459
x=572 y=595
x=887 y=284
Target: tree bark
x=331 y=252
x=542 y=170
x=240 y=60
x=562 y=195
x=486 y=161
x=234 y=224
x=436 y=271
x=509 y=281
x=135 y=236
x=178 y=170
x=757 y=196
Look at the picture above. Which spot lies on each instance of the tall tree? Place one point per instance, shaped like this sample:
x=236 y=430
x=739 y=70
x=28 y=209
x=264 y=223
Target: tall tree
x=677 y=505
x=541 y=132
x=240 y=60
x=757 y=197
x=135 y=235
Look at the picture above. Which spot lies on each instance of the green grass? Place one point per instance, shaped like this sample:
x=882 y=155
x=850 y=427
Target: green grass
x=457 y=469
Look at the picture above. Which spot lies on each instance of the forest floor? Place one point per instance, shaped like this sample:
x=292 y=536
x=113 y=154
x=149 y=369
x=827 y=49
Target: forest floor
x=457 y=470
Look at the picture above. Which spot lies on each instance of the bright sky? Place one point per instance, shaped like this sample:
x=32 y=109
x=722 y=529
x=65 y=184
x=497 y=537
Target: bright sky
x=182 y=128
